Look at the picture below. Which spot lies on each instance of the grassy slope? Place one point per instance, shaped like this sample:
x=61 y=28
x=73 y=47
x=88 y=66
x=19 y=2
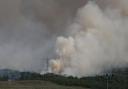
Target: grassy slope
x=32 y=84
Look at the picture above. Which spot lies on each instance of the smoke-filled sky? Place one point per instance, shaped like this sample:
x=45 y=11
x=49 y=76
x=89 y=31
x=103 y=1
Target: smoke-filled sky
x=28 y=31
x=79 y=37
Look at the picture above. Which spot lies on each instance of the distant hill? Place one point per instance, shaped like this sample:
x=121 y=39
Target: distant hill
x=8 y=74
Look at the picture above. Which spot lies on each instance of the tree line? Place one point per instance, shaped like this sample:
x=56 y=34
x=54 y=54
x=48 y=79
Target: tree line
x=116 y=79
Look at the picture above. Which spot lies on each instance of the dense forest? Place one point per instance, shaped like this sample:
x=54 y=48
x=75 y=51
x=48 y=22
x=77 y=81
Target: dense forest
x=116 y=79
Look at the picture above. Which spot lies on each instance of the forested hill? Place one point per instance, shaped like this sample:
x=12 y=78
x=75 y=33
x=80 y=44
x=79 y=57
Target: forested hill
x=116 y=79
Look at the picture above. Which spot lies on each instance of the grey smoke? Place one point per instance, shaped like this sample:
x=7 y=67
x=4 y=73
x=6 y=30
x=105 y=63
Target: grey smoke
x=85 y=38
x=28 y=30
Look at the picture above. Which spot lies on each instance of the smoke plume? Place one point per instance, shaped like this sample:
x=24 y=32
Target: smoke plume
x=77 y=37
x=96 y=41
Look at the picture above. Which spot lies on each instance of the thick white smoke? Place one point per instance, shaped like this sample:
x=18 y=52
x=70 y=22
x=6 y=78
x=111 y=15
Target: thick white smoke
x=96 y=41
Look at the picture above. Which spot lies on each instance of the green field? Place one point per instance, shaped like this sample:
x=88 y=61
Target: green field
x=33 y=85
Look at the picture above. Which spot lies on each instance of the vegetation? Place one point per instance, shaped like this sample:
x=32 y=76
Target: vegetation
x=116 y=79
x=33 y=84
